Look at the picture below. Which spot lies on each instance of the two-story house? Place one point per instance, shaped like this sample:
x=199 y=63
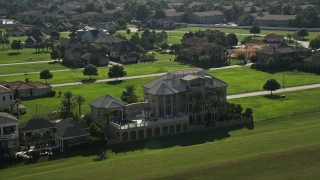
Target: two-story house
x=177 y=102
x=6 y=98
x=9 y=135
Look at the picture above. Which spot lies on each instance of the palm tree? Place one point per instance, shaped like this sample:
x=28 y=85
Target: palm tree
x=129 y=95
x=17 y=102
x=68 y=96
x=107 y=116
x=80 y=100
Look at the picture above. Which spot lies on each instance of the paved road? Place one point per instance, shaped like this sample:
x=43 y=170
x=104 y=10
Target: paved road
x=259 y=93
x=22 y=63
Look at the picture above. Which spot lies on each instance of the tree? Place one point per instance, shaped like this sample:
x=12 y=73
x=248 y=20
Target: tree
x=36 y=136
x=90 y=70
x=271 y=85
x=55 y=35
x=255 y=30
x=17 y=103
x=302 y=33
x=55 y=54
x=142 y=12
x=16 y=45
x=128 y=31
x=116 y=71
x=67 y=103
x=232 y=39
x=46 y=74
x=129 y=95
x=159 y=14
x=80 y=100
x=315 y=43
x=107 y=116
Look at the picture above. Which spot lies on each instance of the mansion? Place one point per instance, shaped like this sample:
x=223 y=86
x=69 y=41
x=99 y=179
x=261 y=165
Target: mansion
x=177 y=102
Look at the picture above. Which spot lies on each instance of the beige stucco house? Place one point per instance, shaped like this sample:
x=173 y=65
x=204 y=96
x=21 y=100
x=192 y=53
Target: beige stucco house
x=177 y=102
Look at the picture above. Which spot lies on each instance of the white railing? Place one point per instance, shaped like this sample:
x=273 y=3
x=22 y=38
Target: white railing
x=152 y=123
x=9 y=136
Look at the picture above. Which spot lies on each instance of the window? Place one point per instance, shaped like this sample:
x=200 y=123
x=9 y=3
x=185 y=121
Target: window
x=3 y=98
x=10 y=96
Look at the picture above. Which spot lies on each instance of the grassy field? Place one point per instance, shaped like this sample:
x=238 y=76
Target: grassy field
x=295 y=103
x=245 y=79
x=11 y=56
x=21 y=38
x=312 y=35
x=29 y=68
x=132 y=70
x=277 y=149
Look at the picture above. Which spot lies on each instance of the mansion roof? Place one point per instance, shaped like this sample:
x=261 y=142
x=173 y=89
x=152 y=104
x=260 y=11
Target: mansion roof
x=7 y=118
x=175 y=82
x=107 y=102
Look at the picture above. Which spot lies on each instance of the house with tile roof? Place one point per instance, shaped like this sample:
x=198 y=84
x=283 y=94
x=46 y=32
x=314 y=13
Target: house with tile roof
x=177 y=102
x=207 y=17
x=9 y=133
x=28 y=89
x=6 y=98
x=274 y=20
x=17 y=31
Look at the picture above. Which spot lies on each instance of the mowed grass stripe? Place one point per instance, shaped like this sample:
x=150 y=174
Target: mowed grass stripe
x=300 y=163
x=177 y=159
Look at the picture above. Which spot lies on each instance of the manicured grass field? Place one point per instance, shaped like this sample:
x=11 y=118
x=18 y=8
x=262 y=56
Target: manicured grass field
x=312 y=35
x=245 y=79
x=11 y=56
x=277 y=149
x=21 y=38
x=132 y=70
x=29 y=68
x=297 y=102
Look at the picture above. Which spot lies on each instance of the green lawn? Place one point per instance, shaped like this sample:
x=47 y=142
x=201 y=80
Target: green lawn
x=29 y=68
x=65 y=34
x=11 y=56
x=132 y=70
x=245 y=79
x=279 y=148
x=295 y=103
x=21 y=38
x=312 y=35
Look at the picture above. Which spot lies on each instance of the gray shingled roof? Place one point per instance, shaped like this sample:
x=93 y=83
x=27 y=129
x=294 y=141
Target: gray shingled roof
x=67 y=128
x=35 y=124
x=162 y=89
x=107 y=101
x=174 y=82
x=7 y=118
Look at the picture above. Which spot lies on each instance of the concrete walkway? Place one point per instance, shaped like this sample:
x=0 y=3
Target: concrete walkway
x=22 y=63
x=260 y=93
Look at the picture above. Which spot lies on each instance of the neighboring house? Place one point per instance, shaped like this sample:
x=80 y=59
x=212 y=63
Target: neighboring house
x=207 y=17
x=193 y=41
x=9 y=134
x=8 y=23
x=177 y=102
x=214 y=51
x=68 y=132
x=90 y=34
x=172 y=15
x=36 y=37
x=163 y=24
x=274 y=38
x=274 y=20
x=126 y=52
x=17 y=31
x=65 y=131
x=28 y=90
x=95 y=59
x=6 y=98
x=278 y=53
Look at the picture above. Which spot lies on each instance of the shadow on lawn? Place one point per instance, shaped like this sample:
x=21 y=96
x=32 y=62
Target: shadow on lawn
x=273 y=96
x=187 y=139
x=101 y=153
x=13 y=53
x=115 y=82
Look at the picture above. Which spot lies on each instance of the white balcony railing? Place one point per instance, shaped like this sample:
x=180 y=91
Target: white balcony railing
x=159 y=121
x=9 y=136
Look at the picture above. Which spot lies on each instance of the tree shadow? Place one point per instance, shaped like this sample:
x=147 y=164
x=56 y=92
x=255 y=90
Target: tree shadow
x=273 y=96
x=115 y=82
x=88 y=81
x=13 y=53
